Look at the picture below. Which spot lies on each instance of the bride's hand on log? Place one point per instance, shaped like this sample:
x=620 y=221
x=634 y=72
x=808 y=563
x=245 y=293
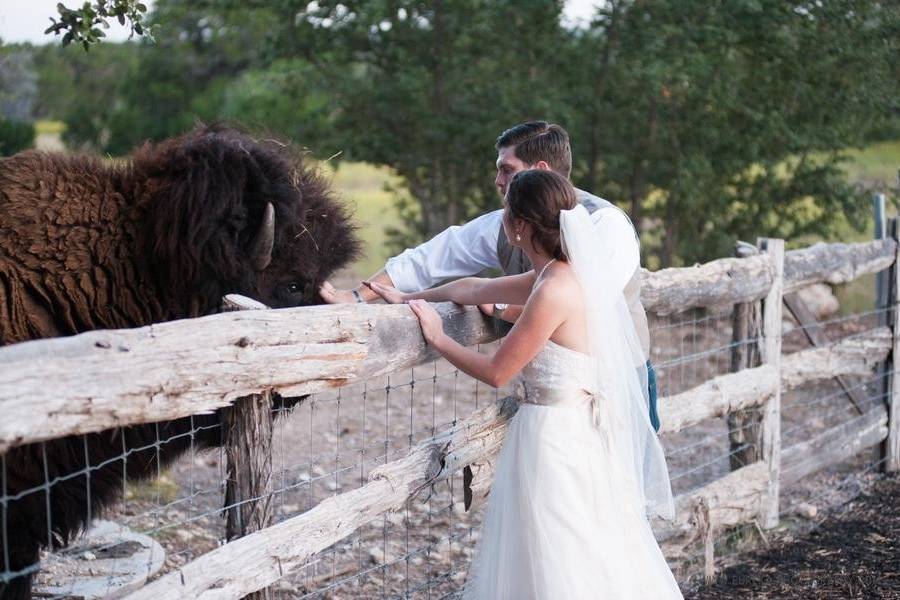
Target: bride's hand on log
x=389 y=294
x=429 y=319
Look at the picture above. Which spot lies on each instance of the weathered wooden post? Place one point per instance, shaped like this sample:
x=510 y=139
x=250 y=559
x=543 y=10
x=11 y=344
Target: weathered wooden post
x=881 y=278
x=890 y=448
x=882 y=288
x=770 y=353
x=885 y=282
x=247 y=427
x=743 y=425
x=756 y=435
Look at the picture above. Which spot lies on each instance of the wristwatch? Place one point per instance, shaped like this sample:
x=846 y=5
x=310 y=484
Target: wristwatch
x=499 y=308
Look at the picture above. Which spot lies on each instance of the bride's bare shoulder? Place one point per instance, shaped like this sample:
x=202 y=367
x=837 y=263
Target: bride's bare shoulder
x=561 y=283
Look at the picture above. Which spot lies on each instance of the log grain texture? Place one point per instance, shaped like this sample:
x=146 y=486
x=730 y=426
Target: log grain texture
x=740 y=280
x=724 y=394
x=103 y=379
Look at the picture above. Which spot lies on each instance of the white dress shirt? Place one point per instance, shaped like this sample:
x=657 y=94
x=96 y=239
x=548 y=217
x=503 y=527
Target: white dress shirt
x=468 y=249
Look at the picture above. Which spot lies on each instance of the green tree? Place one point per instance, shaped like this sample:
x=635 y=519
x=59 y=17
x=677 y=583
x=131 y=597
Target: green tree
x=18 y=82
x=727 y=120
x=85 y=25
x=709 y=121
x=85 y=91
x=15 y=136
x=424 y=87
x=18 y=91
x=119 y=95
x=286 y=98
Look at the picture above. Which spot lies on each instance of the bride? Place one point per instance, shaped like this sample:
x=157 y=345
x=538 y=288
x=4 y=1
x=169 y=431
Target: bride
x=580 y=470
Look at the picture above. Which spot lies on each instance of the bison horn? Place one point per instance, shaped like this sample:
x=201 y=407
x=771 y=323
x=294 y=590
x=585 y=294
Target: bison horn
x=261 y=251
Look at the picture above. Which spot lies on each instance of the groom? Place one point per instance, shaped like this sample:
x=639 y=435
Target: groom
x=468 y=249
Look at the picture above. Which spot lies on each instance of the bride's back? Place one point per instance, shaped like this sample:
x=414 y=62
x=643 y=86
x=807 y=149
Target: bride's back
x=560 y=283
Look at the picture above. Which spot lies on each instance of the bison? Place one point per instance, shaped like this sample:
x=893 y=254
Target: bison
x=92 y=244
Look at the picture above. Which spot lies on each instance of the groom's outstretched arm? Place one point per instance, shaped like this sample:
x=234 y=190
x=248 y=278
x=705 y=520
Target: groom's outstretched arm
x=360 y=293
x=458 y=251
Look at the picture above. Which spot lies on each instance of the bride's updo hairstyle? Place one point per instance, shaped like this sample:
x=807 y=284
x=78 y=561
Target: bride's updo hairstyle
x=537 y=197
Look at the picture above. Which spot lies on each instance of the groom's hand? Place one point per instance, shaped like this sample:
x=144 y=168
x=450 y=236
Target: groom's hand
x=332 y=295
x=389 y=294
x=361 y=293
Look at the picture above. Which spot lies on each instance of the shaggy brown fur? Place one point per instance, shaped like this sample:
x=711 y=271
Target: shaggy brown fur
x=85 y=244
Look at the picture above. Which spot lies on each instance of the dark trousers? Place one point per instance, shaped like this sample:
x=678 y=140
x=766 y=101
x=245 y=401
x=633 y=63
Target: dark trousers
x=653 y=392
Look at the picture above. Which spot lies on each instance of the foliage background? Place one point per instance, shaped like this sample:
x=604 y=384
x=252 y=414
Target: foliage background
x=708 y=122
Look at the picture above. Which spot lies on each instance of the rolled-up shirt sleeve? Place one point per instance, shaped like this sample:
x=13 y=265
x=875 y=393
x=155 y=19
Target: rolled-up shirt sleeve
x=457 y=251
x=620 y=243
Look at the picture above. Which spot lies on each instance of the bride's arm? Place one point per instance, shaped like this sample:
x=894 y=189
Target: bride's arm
x=543 y=314
x=512 y=289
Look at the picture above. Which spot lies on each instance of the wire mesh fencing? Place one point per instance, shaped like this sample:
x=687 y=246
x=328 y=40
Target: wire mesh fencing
x=808 y=411
x=329 y=443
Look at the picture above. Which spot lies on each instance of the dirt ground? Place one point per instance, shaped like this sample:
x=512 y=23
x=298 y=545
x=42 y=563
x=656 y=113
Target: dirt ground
x=853 y=552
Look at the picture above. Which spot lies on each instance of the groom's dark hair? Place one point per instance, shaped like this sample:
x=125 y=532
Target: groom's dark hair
x=537 y=197
x=535 y=141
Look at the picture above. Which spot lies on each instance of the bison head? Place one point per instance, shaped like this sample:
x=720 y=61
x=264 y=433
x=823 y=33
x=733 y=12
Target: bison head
x=225 y=213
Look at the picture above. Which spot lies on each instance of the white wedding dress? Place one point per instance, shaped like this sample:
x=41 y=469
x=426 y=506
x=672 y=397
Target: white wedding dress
x=557 y=524
x=581 y=468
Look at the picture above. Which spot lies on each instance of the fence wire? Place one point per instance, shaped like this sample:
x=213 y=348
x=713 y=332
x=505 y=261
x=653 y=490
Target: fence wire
x=330 y=442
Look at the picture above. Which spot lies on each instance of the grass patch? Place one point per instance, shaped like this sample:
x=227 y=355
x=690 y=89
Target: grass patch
x=875 y=165
x=363 y=187
x=857 y=296
x=163 y=489
x=45 y=126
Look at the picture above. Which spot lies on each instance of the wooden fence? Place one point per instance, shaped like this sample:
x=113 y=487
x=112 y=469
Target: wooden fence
x=104 y=379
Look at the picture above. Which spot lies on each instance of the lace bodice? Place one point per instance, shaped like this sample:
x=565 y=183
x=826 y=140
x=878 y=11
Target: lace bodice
x=557 y=375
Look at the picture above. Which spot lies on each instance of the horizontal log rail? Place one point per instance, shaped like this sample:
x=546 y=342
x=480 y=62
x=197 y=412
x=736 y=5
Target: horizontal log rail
x=853 y=355
x=164 y=375
x=834 y=445
x=836 y=263
x=737 y=497
x=716 y=397
x=722 y=281
x=730 y=500
x=102 y=379
x=738 y=280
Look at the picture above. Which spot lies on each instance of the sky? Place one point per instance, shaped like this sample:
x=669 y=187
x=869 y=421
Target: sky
x=26 y=20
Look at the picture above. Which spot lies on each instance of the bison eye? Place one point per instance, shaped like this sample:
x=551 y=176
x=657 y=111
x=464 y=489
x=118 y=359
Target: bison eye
x=294 y=288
